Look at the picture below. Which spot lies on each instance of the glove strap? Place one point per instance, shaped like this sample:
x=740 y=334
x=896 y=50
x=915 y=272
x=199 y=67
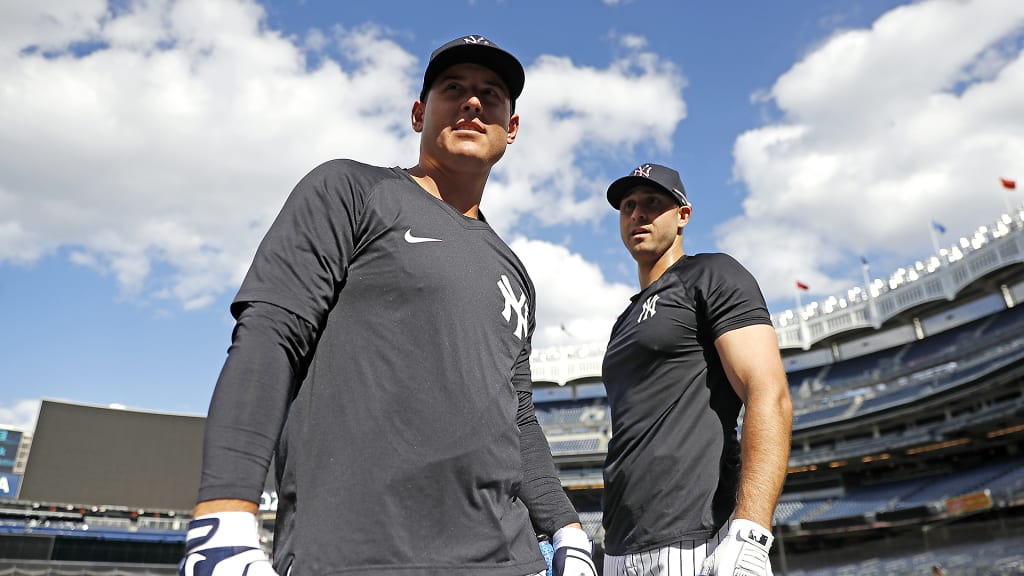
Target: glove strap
x=752 y=532
x=223 y=530
x=573 y=538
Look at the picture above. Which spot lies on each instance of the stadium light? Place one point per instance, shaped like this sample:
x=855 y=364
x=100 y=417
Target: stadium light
x=938 y=446
x=1005 y=431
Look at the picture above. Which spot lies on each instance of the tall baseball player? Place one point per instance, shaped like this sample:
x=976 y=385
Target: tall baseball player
x=693 y=347
x=381 y=355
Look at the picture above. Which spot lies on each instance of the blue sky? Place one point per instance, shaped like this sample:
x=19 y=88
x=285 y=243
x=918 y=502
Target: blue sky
x=146 y=146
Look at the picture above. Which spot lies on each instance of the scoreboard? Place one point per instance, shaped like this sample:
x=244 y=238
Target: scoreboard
x=10 y=442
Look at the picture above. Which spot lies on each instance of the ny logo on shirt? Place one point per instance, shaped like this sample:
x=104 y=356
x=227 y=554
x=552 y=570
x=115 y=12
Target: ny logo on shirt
x=513 y=303
x=648 y=309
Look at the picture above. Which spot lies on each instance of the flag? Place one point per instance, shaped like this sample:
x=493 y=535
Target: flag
x=802 y=286
x=1008 y=184
x=938 y=227
x=864 y=260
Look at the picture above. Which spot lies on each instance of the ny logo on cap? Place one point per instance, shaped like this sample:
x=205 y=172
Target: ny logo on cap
x=476 y=40
x=644 y=171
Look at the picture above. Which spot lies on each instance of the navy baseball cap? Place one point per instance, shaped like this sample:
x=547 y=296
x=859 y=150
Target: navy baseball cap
x=475 y=49
x=657 y=176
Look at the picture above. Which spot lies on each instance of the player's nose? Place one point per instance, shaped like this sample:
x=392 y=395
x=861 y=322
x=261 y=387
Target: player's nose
x=472 y=103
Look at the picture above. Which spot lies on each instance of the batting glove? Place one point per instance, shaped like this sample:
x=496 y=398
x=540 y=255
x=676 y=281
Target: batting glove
x=572 y=553
x=224 y=544
x=743 y=552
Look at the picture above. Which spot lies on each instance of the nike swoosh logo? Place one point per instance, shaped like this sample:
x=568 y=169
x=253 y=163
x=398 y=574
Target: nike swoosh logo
x=417 y=239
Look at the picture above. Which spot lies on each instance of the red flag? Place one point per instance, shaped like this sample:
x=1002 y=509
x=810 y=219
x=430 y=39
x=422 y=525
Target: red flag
x=1009 y=184
x=802 y=286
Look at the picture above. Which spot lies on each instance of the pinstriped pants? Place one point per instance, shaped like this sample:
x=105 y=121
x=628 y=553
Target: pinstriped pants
x=682 y=558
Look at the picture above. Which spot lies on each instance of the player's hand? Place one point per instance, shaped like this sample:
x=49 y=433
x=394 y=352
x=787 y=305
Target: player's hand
x=224 y=544
x=572 y=553
x=743 y=552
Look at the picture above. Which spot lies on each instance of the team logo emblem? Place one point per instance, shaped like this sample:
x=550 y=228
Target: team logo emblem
x=476 y=40
x=644 y=170
x=648 y=309
x=512 y=303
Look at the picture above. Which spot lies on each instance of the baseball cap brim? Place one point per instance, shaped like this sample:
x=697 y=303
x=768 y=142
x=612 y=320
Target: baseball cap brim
x=505 y=65
x=619 y=188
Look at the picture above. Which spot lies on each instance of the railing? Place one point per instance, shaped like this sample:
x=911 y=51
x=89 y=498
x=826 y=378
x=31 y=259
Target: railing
x=940 y=277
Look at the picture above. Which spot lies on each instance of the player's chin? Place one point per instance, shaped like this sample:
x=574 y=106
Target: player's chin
x=473 y=151
x=639 y=252
x=637 y=242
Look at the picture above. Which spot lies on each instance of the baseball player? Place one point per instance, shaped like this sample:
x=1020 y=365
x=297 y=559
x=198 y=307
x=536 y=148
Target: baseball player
x=693 y=347
x=381 y=356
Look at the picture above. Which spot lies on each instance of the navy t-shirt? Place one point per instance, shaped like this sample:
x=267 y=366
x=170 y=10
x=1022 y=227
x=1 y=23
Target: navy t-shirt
x=673 y=459
x=400 y=452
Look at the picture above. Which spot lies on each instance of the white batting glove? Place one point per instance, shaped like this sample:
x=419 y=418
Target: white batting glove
x=224 y=544
x=572 y=553
x=743 y=552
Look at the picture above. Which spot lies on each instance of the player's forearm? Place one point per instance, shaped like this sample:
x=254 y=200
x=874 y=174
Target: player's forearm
x=765 y=445
x=541 y=490
x=250 y=402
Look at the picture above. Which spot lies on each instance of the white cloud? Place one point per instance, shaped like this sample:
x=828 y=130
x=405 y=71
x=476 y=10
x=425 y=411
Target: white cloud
x=157 y=141
x=21 y=415
x=572 y=115
x=177 y=139
x=575 y=304
x=882 y=130
x=633 y=41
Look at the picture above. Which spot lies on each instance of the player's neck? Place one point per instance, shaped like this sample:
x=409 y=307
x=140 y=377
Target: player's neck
x=462 y=190
x=650 y=271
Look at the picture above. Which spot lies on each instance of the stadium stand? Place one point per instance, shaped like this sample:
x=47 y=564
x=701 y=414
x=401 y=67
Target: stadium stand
x=908 y=439
x=909 y=418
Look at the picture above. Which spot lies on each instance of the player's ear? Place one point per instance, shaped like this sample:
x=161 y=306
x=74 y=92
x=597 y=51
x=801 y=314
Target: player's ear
x=684 y=216
x=417 y=115
x=513 y=128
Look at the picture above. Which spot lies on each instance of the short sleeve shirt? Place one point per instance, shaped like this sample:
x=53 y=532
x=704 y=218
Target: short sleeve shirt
x=400 y=453
x=673 y=459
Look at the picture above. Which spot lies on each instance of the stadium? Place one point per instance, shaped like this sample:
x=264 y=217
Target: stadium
x=906 y=454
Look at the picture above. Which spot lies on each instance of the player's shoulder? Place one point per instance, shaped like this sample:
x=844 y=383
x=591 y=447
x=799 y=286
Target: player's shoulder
x=347 y=180
x=355 y=170
x=715 y=269
x=713 y=258
x=711 y=262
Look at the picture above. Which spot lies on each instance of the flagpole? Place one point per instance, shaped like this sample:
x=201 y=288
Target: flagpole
x=804 y=339
x=935 y=239
x=1008 y=184
x=872 y=311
